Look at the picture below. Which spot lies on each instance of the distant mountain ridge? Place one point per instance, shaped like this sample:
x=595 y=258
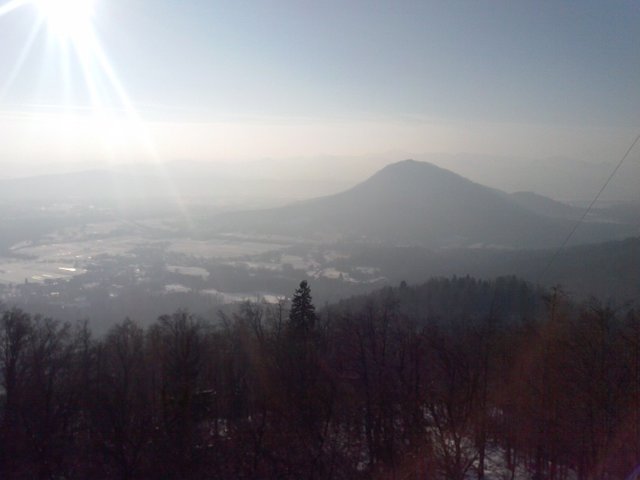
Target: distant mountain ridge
x=162 y=183
x=404 y=203
x=546 y=206
x=412 y=202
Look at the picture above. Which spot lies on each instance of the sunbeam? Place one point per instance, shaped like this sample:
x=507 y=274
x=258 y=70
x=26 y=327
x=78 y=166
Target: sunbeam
x=11 y=6
x=24 y=53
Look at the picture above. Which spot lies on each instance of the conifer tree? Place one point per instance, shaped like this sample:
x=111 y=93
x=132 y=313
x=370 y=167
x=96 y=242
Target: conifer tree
x=302 y=316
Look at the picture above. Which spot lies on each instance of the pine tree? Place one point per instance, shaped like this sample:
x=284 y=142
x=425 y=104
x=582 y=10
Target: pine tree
x=302 y=316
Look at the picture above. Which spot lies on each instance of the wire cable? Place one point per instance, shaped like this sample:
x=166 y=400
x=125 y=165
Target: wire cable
x=586 y=212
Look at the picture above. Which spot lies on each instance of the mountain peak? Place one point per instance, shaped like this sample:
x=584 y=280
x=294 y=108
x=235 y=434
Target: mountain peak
x=412 y=175
x=414 y=165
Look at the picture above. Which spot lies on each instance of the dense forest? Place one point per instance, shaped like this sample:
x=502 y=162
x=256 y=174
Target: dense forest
x=457 y=378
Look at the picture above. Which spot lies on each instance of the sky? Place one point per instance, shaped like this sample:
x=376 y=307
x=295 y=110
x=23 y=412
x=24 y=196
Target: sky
x=233 y=80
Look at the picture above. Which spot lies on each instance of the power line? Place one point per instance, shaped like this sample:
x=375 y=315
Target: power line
x=586 y=212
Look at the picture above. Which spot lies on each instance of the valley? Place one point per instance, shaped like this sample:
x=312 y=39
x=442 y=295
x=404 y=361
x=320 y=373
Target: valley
x=104 y=263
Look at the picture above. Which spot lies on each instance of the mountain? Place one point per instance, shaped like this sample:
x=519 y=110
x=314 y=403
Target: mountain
x=417 y=203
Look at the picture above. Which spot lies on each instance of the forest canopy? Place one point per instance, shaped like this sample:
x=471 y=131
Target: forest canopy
x=453 y=378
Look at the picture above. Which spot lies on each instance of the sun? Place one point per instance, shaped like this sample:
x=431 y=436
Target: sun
x=73 y=39
x=67 y=19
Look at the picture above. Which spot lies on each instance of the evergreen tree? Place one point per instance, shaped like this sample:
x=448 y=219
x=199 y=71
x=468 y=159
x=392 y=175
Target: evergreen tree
x=302 y=316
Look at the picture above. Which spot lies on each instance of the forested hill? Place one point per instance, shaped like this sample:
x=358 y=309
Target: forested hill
x=451 y=380
x=607 y=270
x=465 y=299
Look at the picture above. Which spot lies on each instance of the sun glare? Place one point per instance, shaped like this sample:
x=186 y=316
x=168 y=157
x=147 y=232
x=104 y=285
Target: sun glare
x=67 y=19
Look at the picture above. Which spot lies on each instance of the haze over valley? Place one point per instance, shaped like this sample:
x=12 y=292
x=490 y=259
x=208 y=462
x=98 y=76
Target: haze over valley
x=114 y=244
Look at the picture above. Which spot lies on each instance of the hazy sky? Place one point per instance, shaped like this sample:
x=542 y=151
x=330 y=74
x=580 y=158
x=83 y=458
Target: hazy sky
x=205 y=79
